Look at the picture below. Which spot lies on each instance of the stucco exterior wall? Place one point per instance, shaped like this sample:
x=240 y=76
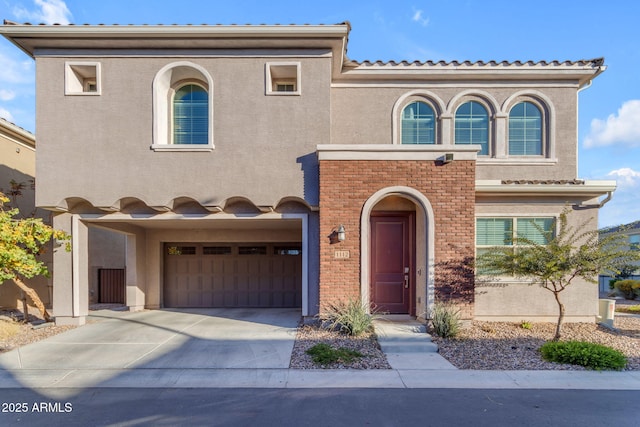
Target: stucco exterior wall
x=515 y=300
x=98 y=147
x=364 y=115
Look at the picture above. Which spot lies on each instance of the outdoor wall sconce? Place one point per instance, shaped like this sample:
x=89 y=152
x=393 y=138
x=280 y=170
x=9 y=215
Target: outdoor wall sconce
x=337 y=235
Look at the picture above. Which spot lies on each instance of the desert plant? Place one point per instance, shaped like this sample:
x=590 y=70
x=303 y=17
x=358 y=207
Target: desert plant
x=21 y=241
x=589 y=355
x=628 y=288
x=446 y=320
x=574 y=252
x=525 y=324
x=323 y=354
x=352 y=317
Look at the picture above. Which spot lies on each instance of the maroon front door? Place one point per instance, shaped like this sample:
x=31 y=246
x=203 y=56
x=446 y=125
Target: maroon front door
x=391 y=261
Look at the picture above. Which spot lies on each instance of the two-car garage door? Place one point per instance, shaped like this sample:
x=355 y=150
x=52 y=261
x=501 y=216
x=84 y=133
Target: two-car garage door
x=232 y=275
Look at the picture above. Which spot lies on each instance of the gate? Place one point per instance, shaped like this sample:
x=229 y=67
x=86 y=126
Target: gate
x=111 y=286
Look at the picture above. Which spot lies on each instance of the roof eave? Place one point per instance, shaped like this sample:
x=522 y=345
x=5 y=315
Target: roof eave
x=26 y=36
x=590 y=188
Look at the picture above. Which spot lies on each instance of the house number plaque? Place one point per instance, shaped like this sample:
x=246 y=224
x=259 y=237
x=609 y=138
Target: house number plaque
x=341 y=254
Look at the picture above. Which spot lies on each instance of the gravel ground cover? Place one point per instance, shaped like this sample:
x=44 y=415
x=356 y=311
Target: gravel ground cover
x=25 y=333
x=309 y=335
x=508 y=346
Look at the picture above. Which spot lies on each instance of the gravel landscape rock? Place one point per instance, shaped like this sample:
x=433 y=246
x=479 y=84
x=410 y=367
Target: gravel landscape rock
x=309 y=335
x=508 y=346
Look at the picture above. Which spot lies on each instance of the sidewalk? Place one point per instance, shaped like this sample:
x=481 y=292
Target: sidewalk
x=188 y=350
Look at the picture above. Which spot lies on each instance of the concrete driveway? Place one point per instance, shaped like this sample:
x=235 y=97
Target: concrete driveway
x=167 y=339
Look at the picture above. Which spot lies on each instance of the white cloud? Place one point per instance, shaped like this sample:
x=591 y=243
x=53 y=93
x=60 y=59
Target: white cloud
x=5 y=114
x=622 y=129
x=15 y=71
x=48 y=12
x=7 y=95
x=626 y=177
x=417 y=17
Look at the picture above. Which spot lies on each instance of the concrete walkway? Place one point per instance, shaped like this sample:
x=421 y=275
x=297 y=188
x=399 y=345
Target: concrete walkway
x=248 y=348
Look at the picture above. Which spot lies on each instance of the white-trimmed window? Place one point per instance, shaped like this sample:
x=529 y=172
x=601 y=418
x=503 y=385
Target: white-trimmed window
x=282 y=78
x=183 y=108
x=526 y=130
x=472 y=126
x=418 y=124
x=503 y=231
x=190 y=115
x=82 y=78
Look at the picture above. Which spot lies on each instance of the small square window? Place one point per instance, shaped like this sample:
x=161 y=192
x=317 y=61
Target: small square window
x=82 y=78
x=283 y=78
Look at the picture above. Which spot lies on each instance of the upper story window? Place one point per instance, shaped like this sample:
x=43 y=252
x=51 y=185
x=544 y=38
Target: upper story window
x=472 y=126
x=283 y=78
x=418 y=124
x=191 y=115
x=525 y=130
x=82 y=78
x=183 y=108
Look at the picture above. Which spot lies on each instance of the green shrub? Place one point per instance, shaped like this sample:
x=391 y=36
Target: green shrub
x=589 y=355
x=351 y=317
x=629 y=288
x=323 y=354
x=446 y=320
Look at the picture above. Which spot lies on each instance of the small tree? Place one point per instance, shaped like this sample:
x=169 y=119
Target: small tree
x=569 y=254
x=21 y=241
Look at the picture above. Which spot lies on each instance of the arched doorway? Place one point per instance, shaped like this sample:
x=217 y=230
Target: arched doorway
x=397 y=252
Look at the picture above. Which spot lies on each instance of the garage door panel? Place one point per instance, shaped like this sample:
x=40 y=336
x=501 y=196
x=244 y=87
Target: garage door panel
x=233 y=275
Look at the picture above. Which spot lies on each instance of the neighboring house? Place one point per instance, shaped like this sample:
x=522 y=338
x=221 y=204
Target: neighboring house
x=258 y=166
x=632 y=233
x=17 y=181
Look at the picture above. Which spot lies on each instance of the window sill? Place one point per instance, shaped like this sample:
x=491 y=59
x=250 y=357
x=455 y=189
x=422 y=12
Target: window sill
x=182 y=147
x=276 y=93
x=516 y=161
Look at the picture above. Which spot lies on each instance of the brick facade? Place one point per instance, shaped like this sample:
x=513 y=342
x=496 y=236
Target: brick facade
x=345 y=186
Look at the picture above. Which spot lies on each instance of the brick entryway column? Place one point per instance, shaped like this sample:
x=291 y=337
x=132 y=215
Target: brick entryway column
x=350 y=175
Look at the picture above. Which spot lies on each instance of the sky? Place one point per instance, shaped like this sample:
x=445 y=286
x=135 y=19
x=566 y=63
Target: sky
x=609 y=110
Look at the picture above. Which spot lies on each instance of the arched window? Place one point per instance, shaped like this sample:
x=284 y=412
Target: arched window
x=525 y=130
x=418 y=124
x=472 y=126
x=191 y=115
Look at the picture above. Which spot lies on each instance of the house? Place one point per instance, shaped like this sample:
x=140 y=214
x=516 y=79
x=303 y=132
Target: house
x=258 y=166
x=631 y=232
x=17 y=181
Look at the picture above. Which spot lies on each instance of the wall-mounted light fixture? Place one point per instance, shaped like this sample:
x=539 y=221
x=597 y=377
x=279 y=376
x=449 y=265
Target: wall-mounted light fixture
x=337 y=235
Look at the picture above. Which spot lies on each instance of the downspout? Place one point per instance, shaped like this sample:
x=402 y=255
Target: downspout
x=596 y=205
